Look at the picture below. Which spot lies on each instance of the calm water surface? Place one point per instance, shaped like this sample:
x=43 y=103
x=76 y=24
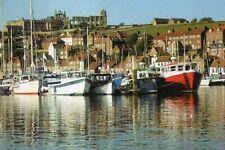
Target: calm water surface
x=114 y=122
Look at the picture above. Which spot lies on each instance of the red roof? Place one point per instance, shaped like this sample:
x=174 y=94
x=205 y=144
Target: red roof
x=218 y=63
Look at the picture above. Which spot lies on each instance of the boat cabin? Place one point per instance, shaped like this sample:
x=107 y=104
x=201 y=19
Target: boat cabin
x=178 y=67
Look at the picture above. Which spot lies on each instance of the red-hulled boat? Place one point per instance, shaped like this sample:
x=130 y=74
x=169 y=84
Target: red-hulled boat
x=180 y=77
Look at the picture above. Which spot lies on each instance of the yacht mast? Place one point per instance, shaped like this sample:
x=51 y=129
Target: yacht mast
x=31 y=36
x=184 y=49
x=3 y=51
x=3 y=38
x=11 y=53
x=88 y=50
x=103 y=67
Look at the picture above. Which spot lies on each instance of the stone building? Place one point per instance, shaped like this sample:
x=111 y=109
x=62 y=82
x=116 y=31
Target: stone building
x=177 y=21
x=158 y=21
x=96 y=21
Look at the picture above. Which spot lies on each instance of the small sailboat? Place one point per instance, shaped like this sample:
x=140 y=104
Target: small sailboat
x=28 y=83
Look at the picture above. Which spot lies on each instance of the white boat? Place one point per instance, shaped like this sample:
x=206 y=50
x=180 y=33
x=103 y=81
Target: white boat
x=6 y=86
x=217 y=79
x=205 y=81
x=68 y=83
x=27 y=84
x=102 y=84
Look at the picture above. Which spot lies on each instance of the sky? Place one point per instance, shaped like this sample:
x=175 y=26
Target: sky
x=118 y=11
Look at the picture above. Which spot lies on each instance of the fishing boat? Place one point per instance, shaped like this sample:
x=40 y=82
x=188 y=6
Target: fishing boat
x=148 y=81
x=102 y=83
x=180 y=77
x=67 y=83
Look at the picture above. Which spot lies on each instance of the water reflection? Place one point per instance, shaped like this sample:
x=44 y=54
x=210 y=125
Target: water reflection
x=113 y=122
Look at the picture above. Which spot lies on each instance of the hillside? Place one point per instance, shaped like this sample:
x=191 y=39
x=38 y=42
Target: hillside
x=153 y=30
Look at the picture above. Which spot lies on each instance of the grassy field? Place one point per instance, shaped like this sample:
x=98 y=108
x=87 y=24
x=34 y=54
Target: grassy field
x=153 y=30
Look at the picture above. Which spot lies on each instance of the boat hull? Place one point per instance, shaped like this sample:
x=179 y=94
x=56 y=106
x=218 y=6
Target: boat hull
x=29 y=87
x=149 y=85
x=5 y=90
x=104 y=89
x=205 y=82
x=182 y=82
x=73 y=87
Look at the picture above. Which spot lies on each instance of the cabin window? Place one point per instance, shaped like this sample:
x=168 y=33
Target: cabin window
x=77 y=75
x=180 y=68
x=70 y=75
x=187 y=67
x=25 y=78
x=63 y=76
x=173 y=68
x=193 y=67
x=84 y=74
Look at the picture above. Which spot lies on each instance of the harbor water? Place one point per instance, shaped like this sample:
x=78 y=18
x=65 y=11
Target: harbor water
x=150 y=121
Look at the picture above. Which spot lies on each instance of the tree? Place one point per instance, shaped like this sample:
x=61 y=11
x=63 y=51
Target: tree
x=206 y=19
x=131 y=39
x=194 y=20
x=83 y=25
x=140 y=46
x=121 y=24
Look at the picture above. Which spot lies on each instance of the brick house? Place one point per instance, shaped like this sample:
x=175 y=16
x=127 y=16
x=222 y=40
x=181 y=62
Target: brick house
x=174 y=41
x=215 y=39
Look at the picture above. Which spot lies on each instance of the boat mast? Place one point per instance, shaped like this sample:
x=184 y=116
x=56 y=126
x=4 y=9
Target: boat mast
x=103 y=67
x=3 y=51
x=3 y=41
x=24 y=50
x=177 y=52
x=88 y=51
x=31 y=36
x=184 y=50
x=11 y=52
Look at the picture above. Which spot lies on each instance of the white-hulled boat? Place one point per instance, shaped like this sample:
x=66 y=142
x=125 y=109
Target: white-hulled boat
x=206 y=81
x=102 y=84
x=27 y=84
x=6 y=86
x=68 y=83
